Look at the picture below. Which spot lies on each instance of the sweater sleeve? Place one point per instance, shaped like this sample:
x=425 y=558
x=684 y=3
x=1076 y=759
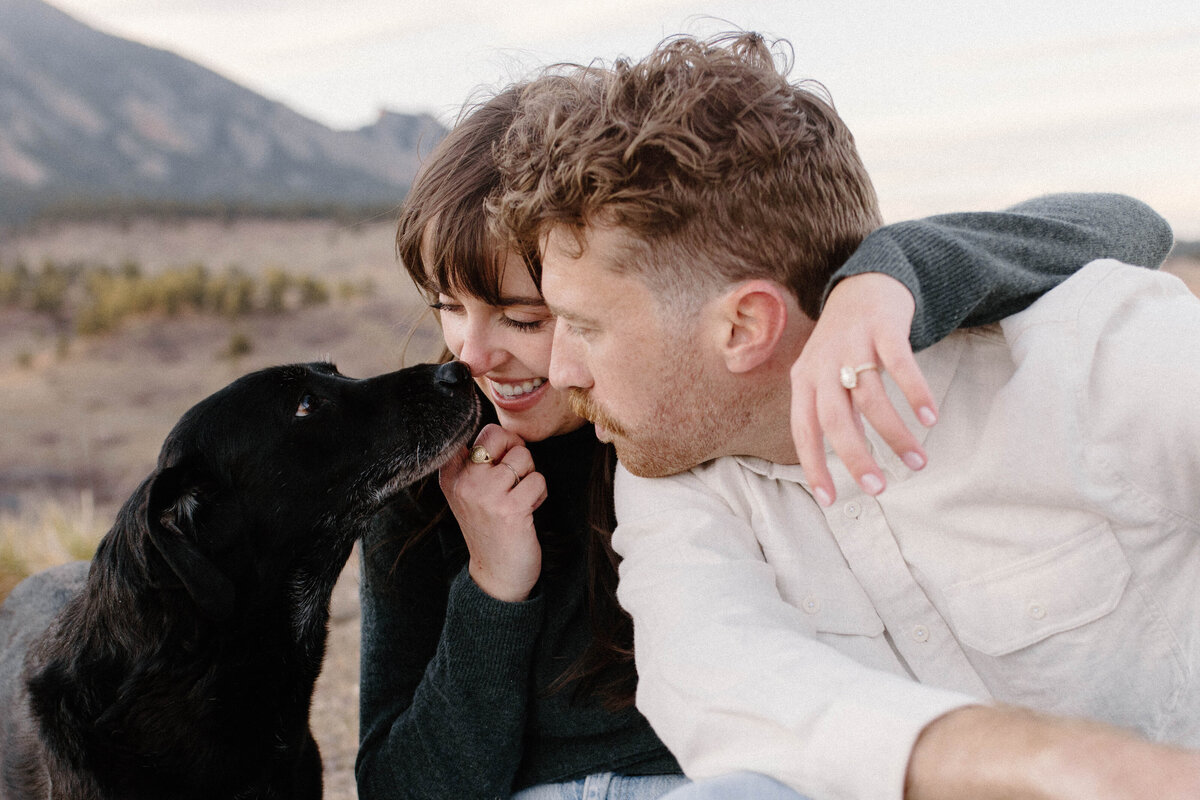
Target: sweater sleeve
x=445 y=676
x=977 y=268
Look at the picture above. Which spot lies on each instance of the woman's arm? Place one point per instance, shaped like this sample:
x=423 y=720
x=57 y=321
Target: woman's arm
x=976 y=268
x=445 y=673
x=911 y=283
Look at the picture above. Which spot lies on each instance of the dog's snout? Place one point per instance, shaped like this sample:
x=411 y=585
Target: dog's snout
x=453 y=375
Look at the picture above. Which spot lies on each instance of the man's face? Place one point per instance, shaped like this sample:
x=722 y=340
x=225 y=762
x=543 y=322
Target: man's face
x=652 y=387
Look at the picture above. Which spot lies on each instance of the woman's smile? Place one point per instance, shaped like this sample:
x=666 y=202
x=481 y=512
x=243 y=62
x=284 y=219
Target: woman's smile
x=516 y=396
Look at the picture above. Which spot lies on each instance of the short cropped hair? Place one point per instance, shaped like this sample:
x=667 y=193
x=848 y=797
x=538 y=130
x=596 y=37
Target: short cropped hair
x=720 y=167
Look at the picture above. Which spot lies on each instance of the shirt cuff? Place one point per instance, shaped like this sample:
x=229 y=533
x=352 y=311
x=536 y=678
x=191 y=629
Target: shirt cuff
x=862 y=747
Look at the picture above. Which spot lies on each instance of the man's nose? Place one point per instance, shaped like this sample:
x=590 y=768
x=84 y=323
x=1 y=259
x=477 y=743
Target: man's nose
x=566 y=368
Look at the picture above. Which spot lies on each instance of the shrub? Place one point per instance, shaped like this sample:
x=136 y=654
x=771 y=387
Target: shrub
x=313 y=292
x=98 y=299
x=49 y=293
x=239 y=345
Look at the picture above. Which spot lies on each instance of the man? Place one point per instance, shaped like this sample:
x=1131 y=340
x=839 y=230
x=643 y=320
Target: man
x=1017 y=619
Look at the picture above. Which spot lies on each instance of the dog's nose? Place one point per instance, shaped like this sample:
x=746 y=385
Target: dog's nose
x=453 y=375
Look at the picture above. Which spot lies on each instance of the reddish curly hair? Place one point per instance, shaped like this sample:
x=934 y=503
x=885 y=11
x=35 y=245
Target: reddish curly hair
x=706 y=153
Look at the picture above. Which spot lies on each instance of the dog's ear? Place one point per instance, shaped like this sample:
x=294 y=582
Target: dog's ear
x=175 y=501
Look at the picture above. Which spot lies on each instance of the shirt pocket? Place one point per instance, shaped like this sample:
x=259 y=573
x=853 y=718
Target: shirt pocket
x=1070 y=631
x=1021 y=604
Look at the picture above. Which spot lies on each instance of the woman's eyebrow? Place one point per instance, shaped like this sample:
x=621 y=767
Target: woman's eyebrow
x=535 y=300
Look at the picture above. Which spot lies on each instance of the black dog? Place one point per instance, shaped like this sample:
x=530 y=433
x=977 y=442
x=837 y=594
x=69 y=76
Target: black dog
x=182 y=664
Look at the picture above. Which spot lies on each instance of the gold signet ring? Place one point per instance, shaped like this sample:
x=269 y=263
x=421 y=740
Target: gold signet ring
x=480 y=455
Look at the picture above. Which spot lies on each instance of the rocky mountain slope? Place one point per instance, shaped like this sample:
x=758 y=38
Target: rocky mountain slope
x=86 y=115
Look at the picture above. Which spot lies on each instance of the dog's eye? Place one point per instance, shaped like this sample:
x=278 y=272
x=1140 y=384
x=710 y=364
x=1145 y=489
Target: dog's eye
x=308 y=404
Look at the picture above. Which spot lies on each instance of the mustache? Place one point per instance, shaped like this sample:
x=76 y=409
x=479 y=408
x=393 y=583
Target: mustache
x=584 y=406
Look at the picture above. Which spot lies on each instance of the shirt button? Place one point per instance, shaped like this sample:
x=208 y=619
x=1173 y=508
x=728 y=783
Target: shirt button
x=811 y=605
x=920 y=634
x=1037 y=610
x=852 y=510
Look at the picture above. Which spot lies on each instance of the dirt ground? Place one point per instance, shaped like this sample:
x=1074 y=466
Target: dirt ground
x=335 y=705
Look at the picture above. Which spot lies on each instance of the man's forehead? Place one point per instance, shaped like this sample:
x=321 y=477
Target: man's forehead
x=564 y=291
x=599 y=243
x=575 y=264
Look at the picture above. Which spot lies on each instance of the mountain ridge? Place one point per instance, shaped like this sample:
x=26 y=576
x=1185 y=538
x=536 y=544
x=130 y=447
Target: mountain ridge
x=84 y=114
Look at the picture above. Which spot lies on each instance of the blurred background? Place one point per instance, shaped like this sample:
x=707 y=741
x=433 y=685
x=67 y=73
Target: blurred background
x=190 y=189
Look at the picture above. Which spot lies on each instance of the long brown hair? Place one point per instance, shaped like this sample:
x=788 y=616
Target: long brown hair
x=446 y=244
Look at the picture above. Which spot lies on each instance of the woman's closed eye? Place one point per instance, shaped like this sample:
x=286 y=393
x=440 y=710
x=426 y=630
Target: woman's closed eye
x=445 y=307
x=528 y=326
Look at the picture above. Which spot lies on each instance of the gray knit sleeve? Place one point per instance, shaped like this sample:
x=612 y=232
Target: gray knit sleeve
x=976 y=268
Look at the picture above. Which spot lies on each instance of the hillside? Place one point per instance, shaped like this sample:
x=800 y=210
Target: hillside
x=87 y=115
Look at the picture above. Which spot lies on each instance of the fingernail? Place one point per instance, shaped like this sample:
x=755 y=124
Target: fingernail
x=926 y=415
x=871 y=483
x=913 y=461
x=823 y=498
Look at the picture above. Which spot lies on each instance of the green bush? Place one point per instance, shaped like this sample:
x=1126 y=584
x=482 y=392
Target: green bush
x=49 y=292
x=98 y=299
x=239 y=345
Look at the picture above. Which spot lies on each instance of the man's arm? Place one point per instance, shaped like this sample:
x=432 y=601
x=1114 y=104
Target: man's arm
x=732 y=676
x=996 y=753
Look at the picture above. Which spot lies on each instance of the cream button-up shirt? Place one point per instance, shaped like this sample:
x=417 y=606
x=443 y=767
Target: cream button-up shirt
x=1048 y=556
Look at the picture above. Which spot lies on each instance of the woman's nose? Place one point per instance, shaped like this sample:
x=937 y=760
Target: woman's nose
x=480 y=353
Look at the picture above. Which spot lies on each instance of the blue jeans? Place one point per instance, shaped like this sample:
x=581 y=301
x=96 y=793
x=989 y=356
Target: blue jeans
x=736 y=786
x=604 y=786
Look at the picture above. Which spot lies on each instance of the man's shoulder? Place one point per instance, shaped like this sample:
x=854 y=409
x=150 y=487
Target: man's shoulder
x=1095 y=292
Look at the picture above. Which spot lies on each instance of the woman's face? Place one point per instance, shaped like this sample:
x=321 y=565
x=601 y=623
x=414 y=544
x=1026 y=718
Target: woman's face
x=507 y=347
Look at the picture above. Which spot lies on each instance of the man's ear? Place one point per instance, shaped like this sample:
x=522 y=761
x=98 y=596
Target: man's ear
x=754 y=316
x=172 y=515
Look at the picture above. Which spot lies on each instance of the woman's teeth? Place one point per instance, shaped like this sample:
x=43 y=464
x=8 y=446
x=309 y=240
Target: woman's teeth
x=517 y=389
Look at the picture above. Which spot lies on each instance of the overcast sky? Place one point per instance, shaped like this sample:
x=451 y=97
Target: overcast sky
x=955 y=105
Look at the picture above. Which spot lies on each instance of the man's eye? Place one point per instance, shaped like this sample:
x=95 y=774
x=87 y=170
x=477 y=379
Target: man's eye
x=576 y=330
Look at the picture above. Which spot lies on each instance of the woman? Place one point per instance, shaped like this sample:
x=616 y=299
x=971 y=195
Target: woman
x=495 y=660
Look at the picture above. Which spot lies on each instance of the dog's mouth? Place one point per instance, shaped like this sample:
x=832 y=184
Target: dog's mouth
x=404 y=471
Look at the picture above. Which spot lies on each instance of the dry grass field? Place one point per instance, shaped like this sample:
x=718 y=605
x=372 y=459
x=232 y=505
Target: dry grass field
x=84 y=416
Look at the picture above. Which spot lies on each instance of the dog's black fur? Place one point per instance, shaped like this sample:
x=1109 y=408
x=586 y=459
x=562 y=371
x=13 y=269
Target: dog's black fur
x=182 y=663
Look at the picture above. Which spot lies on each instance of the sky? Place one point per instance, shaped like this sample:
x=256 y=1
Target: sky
x=955 y=105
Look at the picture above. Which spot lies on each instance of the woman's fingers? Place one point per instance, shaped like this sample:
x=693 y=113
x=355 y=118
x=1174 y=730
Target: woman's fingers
x=838 y=381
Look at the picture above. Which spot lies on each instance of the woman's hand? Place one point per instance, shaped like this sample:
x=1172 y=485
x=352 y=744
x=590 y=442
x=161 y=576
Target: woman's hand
x=494 y=502
x=866 y=320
